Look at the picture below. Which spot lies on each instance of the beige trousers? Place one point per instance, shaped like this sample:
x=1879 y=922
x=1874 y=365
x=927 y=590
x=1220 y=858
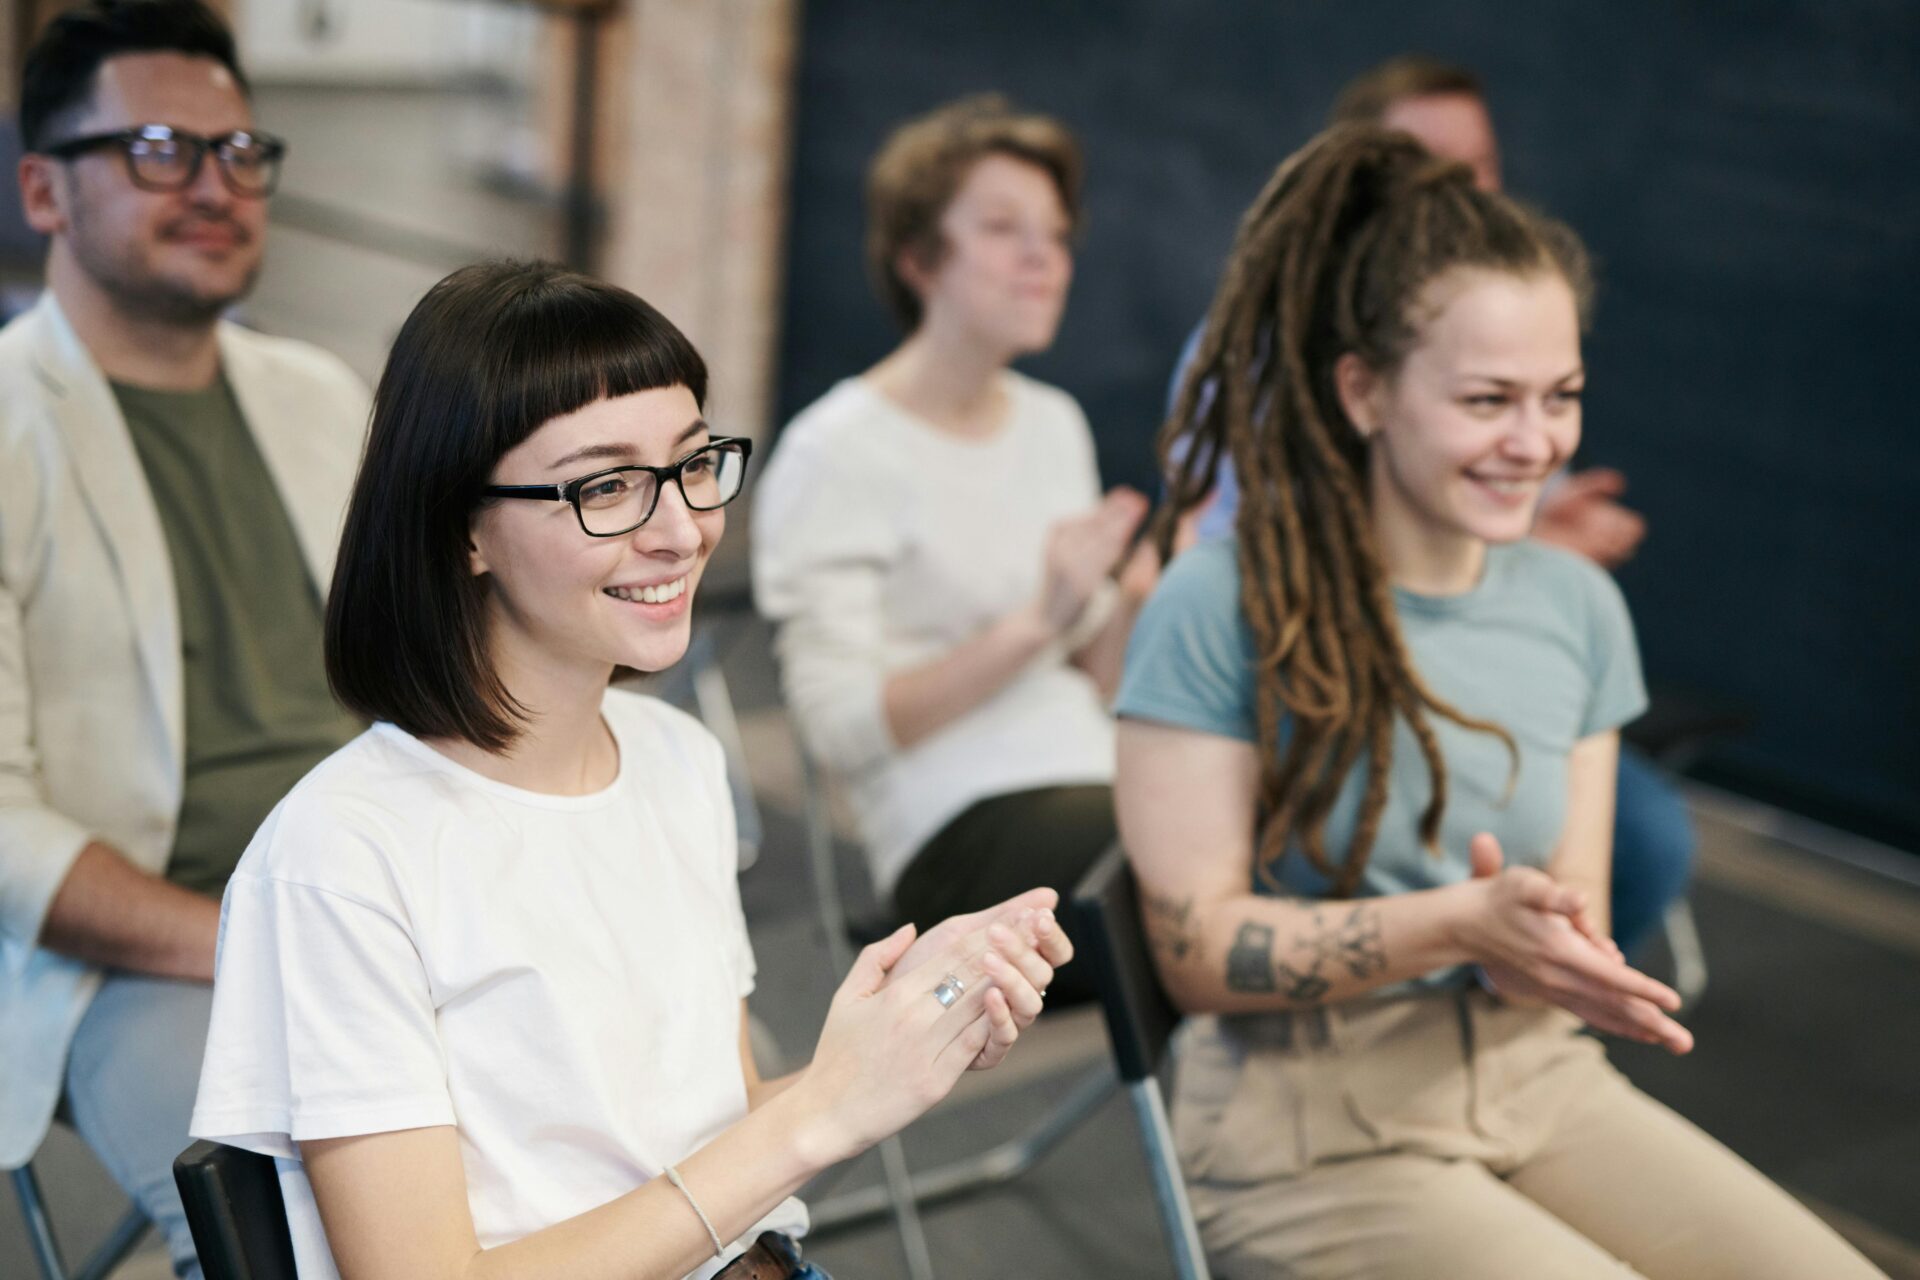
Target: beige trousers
x=1451 y=1135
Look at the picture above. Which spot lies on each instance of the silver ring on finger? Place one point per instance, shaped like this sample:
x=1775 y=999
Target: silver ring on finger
x=949 y=990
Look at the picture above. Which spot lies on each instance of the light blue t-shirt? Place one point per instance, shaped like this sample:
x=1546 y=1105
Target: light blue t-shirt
x=1217 y=516
x=1542 y=646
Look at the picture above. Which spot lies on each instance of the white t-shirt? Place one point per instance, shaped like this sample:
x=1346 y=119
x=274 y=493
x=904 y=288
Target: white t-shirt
x=407 y=943
x=880 y=543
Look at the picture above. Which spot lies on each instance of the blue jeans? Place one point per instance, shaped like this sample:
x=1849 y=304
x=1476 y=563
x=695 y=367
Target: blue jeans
x=1652 y=849
x=131 y=1075
x=776 y=1248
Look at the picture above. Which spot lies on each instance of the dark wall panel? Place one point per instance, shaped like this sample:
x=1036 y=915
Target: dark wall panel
x=1745 y=173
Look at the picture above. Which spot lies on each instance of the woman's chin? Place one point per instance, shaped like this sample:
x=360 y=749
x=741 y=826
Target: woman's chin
x=656 y=652
x=1505 y=536
x=1498 y=527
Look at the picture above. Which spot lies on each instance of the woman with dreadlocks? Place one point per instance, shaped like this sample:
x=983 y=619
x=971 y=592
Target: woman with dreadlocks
x=1365 y=771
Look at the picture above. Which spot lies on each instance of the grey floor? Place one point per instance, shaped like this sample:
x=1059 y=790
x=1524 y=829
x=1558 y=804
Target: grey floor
x=1809 y=1034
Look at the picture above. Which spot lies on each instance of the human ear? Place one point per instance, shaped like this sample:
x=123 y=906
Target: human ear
x=40 y=195
x=476 y=558
x=914 y=268
x=1359 y=387
x=919 y=260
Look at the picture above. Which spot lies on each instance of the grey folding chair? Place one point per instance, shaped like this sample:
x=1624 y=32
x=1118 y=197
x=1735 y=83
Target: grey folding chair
x=1140 y=1020
x=699 y=683
x=125 y=1236
x=901 y=1190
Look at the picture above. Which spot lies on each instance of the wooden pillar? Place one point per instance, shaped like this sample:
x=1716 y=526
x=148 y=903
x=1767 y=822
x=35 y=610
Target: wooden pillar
x=696 y=139
x=24 y=20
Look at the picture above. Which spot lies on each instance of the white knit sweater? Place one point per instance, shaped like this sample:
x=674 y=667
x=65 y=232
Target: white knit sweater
x=881 y=542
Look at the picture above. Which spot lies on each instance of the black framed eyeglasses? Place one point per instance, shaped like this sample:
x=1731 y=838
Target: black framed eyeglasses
x=621 y=499
x=162 y=158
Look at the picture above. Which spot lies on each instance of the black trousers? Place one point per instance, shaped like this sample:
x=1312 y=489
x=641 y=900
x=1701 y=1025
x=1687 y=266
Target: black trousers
x=1005 y=845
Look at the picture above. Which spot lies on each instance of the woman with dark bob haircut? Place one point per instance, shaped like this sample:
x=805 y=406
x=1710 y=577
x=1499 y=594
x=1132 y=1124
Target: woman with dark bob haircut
x=482 y=973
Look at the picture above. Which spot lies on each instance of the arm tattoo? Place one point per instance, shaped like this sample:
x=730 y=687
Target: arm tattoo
x=1250 y=962
x=1352 y=942
x=1171 y=928
x=1357 y=943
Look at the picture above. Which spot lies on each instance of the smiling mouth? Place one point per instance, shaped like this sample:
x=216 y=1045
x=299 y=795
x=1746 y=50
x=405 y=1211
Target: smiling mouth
x=225 y=233
x=661 y=594
x=1507 y=484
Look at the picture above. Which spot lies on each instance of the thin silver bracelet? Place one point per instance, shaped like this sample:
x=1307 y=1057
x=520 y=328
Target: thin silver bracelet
x=673 y=1176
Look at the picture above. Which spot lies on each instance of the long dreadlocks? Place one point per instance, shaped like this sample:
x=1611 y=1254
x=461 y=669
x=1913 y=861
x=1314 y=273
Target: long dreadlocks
x=1332 y=258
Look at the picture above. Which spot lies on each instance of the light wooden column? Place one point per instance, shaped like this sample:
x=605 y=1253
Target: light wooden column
x=695 y=142
x=23 y=23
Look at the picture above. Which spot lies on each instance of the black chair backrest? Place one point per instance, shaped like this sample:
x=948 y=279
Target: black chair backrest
x=234 y=1208
x=1113 y=944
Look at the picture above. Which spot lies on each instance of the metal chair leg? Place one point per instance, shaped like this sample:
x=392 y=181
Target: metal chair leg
x=714 y=701
x=111 y=1252
x=1169 y=1191
x=106 y=1256
x=990 y=1168
x=46 y=1251
x=898 y=1194
x=1689 y=956
x=896 y=1187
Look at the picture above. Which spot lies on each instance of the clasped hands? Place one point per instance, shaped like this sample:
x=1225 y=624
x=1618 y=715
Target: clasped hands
x=1535 y=940
x=1084 y=550
x=890 y=1050
x=1013 y=948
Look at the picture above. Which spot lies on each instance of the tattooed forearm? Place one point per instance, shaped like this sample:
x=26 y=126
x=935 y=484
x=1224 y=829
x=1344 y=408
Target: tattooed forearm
x=1250 y=962
x=1358 y=944
x=1171 y=927
x=1302 y=986
x=1332 y=940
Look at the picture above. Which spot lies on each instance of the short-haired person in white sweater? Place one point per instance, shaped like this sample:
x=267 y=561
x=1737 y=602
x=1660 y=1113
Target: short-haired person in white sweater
x=481 y=975
x=931 y=541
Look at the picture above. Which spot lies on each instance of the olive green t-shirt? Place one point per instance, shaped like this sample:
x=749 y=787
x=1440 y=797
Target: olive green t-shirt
x=258 y=711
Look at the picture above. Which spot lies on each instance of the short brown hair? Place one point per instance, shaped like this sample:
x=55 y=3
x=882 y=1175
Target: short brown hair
x=1412 y=75
x=922 y=164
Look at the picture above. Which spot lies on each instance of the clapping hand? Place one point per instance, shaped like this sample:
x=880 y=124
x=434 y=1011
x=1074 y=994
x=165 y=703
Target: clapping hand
x=909 y=1019
x=1584 y=514
x=1534 y=939
x=1022 y=943
x=1083 y=551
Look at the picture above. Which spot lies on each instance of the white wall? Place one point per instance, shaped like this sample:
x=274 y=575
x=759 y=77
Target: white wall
x=379 y=41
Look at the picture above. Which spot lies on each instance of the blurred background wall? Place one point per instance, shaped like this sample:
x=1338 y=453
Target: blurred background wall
x=1744 y=174
x=643 y=139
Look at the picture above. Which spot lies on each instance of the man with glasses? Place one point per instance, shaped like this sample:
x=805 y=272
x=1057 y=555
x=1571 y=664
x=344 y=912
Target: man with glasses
x=170 y=495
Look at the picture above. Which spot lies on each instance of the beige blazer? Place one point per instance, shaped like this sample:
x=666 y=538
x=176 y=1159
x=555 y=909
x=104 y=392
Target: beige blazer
x=91 y=698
